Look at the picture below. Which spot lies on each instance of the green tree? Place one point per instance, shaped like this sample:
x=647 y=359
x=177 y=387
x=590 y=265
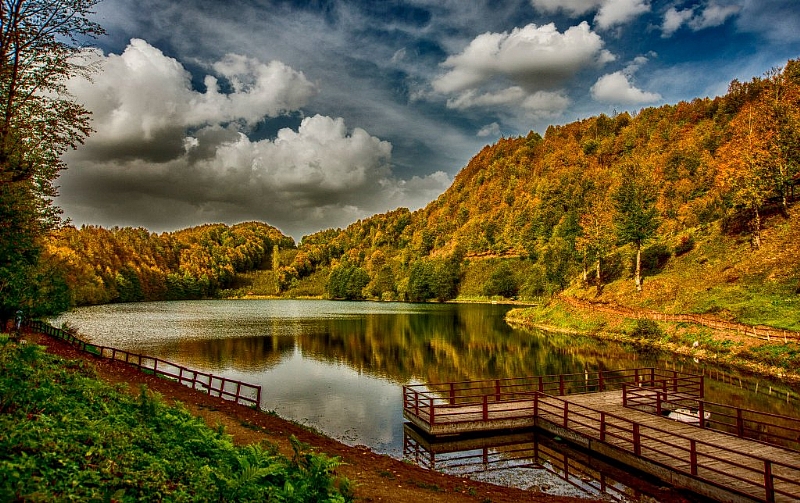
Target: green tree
x=347 y=281
x=636 y=219
x=503 y=281
x=40 y=46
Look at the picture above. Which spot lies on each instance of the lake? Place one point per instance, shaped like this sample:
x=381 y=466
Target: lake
x=339 y=366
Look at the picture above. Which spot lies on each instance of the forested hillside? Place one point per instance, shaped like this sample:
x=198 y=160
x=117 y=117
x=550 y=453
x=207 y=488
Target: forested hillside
x=593 y=202
x=579 y=203
x=99 y=265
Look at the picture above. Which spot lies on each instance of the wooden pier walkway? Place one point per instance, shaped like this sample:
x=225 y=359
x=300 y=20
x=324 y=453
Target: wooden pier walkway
x=597 y=412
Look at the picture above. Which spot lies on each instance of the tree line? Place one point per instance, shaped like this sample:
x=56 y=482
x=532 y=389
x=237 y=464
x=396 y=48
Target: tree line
x=595 y=200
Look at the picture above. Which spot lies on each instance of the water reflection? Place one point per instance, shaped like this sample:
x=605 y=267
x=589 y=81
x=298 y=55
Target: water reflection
x=529 y=460
x=337 y=366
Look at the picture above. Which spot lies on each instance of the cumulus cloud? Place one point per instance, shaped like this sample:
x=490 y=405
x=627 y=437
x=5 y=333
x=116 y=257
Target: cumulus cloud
x=616 y=88
x=610 y=13
x=142 y=101
x=492 y=129
x=697 y=17
x=616 y=12
x=166 y=154
x=498 y=69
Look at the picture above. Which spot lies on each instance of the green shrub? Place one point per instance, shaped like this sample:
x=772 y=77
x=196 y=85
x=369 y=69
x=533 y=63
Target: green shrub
x=68 y=437
x=647 y=329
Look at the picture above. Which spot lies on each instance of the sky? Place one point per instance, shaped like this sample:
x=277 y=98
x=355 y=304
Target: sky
x=312 y=114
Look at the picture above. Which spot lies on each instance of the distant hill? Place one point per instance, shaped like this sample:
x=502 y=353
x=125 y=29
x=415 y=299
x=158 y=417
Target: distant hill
x=98 y=265
x=722 y=169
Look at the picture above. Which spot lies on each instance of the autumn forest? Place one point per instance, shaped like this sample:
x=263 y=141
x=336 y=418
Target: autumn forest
x=604 y=199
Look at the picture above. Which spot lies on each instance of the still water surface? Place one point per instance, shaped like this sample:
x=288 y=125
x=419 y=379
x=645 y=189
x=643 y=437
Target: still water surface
x=339 y=366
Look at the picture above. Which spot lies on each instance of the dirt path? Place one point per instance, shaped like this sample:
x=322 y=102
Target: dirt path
x=376 y=477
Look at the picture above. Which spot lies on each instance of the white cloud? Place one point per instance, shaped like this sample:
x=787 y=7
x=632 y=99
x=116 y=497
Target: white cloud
x=610 y=13
x=492 y=129
x=697 y=17
x=167 y=153
x=533 y=59
x=142 y=101
x=674 y=19
x=616 y=88
x=574 y=7
x=617 y=12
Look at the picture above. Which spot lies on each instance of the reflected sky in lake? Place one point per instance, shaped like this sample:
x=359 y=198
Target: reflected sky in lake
x=339 y=366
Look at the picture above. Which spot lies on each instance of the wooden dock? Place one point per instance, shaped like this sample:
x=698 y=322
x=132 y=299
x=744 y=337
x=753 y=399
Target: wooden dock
x=596 y=412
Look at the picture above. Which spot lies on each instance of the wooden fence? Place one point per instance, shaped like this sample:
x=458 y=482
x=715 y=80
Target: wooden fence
x=758 y=331
x=229 y=389
x=747 y=473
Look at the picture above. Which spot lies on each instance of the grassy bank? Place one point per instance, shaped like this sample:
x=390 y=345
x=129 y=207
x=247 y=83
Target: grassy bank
x=66 y=436
x=776 y=359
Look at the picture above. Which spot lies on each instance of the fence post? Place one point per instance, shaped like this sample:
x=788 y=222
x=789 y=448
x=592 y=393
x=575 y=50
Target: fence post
x=701 y=416
x=258 y=398
x=497 y=390
x=541 y=385
x=637 y=447
x=768 y=483
x=566 y=414
x=658 y=404
x=452 y=393
x=739 y=422
x=600 y=380
x=560 y=384
x=602 y=426
x=433 y=412
x=485 y=407
x=693 y=456
x=674 y=381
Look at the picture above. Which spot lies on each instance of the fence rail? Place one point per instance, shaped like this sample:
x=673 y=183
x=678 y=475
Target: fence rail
x=229 y=389
x=763 y=427
x=758 y=331
x=743 y=472
x=511 y=398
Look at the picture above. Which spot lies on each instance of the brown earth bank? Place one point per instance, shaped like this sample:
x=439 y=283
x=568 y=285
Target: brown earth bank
x=376 y=477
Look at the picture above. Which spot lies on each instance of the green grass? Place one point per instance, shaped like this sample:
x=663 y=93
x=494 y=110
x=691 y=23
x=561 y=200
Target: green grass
x=66 y=436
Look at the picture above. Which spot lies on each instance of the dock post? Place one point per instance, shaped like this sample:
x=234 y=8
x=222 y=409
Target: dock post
x=739 y=422
x=768 y=482
x=637 y=446
x=602 y=426
x=693 y=456
x=701 y=417
x=485 y=407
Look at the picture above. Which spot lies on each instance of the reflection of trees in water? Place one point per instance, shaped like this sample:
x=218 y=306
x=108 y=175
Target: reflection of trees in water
x=458 y=344
x=243 y=353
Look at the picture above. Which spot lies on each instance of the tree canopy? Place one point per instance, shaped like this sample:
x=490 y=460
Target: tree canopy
x=40 y=47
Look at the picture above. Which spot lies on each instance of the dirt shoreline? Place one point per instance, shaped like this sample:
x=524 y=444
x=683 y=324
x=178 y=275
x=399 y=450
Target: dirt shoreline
x=376 y=477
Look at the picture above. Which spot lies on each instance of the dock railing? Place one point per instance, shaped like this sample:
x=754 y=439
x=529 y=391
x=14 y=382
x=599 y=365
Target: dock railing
x=490 y=399
x=746 y=473
x=772 y=429
x=229 y=389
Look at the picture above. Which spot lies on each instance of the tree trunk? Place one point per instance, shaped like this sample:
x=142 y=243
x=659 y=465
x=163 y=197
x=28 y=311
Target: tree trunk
x=599 y=278
x=638 y=267
x=756 y=229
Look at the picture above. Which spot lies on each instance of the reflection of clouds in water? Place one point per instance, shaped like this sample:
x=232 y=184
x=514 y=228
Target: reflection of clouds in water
x=335 y=399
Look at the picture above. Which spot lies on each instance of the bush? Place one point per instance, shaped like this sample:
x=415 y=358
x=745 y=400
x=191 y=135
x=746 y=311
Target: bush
x=647 y=329
x=685 y=245
x=654 y=258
